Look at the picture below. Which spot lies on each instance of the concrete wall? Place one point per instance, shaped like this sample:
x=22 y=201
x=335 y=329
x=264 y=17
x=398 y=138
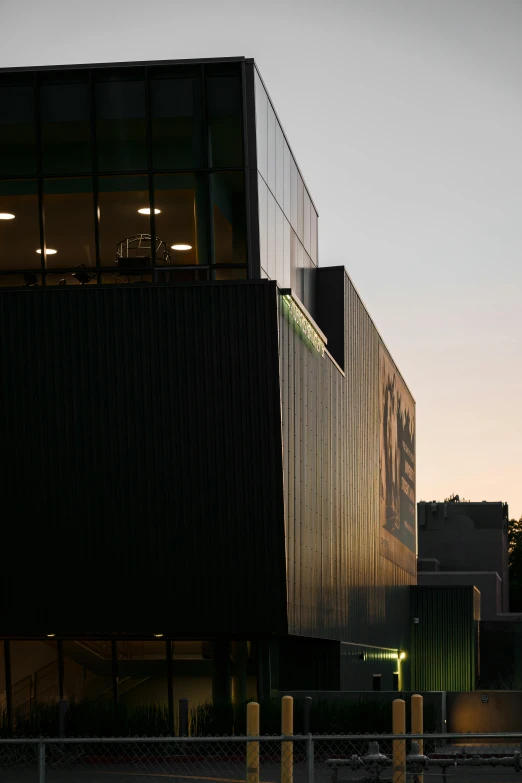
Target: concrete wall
x=466 y=537
x=484 y=711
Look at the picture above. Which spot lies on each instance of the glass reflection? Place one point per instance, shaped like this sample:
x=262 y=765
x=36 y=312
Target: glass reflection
x=27 y=280
x=69 y=222
x=82 y=276
x=19 y=235
x=229 y=217
x=224 y=121
x=17 y=139
x=181 y=217
x=261 y=126
x=121 y=126
x=66 y=133
x=230 y=274
x=306 y=221
x=124 y=232
x=176 y=123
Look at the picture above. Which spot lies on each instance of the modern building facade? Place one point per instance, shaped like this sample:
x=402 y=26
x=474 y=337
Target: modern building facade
x=208 y=454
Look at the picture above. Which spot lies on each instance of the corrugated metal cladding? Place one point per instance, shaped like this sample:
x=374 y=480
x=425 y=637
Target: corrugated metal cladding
x=444 y=641
x=339 y=585
x=141 y=461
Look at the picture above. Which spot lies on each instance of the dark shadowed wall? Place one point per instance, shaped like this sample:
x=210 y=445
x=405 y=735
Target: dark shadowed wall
x=141 y=461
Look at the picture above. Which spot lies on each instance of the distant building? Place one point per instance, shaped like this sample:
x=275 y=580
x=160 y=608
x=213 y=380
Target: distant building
x=466 y=544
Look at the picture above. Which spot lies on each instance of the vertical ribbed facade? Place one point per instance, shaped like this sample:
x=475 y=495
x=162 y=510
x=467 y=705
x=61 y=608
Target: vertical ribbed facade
x=140 y=457
x=339 y=585
x=444 y=641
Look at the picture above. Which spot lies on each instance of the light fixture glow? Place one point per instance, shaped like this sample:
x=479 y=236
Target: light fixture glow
x=158 y=635
x=51 y=634
x=48 y=251
x=146 y=211
x=181 y=247
x=401 y=656
x=6 y=216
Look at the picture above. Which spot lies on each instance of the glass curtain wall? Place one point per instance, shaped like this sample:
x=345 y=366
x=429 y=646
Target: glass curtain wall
x=131 y=175
x=287 y=216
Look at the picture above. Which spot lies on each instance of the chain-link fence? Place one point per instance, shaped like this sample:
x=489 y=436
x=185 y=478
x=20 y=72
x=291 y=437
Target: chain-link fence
x=298 y=759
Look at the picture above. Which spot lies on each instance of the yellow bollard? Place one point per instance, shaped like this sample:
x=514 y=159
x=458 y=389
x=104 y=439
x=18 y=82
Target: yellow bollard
x=399 y=746
x=287 y=748
x=252 y=771
x=417 y=723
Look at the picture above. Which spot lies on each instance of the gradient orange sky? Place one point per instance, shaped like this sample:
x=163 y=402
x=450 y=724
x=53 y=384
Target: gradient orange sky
x=406 y=119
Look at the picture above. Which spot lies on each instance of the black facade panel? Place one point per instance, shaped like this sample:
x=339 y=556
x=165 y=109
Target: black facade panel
x=140 y=461
x=330 y=309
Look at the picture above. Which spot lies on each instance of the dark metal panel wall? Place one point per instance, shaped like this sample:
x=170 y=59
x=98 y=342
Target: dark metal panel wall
x=140 y=461
x=444 y=643
x=339 y=586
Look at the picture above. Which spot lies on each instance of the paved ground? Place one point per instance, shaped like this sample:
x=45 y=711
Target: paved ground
x=129 y=774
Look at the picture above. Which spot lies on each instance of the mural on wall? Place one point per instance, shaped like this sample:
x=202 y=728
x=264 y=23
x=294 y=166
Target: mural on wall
x=396 y=466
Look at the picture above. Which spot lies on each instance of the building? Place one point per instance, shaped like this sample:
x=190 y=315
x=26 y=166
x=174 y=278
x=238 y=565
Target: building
x=466 y=544
x=208 y=454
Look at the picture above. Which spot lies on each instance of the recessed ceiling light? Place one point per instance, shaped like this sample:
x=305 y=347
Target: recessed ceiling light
x=48 y=251
x=181 y=247
x=51 y=634
x=158 y=635
x=6 y=216
x=146 y=211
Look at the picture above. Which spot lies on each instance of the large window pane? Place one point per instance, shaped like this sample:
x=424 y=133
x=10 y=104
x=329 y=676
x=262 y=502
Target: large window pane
x=293 y=194
x=121 y=126
x=280 y=166
x=271 y=237
x=19 y=225
x=26 y=280
x=300 y=208
x=261 y=126
x=180 y=204
x=34 y=675
x=306 y=221
x=69 y=223
x=313 y=233
x=263 y=222
x=286 y=158
x=280 y=250
x=17 y=138
x=124 y=231
x=271 y=182
x=177 y=123
x=66 y=133
x=225 y=121
x=230 y=274
x=229 y=217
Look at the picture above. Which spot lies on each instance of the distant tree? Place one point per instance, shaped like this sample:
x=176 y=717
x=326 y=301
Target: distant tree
x=456 y=499
x=515 y=564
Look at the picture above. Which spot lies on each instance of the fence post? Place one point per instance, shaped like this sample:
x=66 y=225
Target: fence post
x=307 y=710
x=287 y=748
x=252 y=754
x=417 y=724
x=41 y=762
x=310 y=759
x=183 y=717
x=399 y=746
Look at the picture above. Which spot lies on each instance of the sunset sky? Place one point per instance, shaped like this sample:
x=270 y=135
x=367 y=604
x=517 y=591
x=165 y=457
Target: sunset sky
x=406 y=119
